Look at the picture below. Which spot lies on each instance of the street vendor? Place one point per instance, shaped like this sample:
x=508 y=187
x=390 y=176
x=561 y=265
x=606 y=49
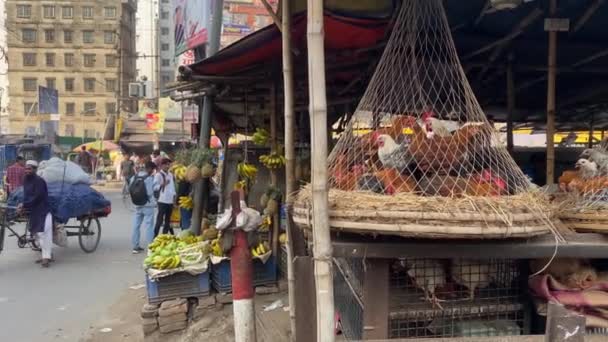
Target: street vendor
x=36 y=204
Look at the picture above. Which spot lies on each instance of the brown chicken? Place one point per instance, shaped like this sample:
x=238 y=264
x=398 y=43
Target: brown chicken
x=439 y=185
x=486 y=184
x=398 y=124
x=344 y=177
x=566 y=178
x=594 y=185
x=441 y=154
x=394 y=182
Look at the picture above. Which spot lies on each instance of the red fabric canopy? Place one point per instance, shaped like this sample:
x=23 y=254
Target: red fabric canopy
x=341 y=32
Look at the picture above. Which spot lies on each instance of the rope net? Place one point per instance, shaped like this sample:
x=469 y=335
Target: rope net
x=419 y=128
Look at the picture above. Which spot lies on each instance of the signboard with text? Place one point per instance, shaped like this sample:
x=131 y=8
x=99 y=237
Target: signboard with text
x=191 y=19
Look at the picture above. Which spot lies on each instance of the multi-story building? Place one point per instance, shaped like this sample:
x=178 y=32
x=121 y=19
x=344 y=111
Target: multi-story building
x=83 y=48
x=242 y=17
x=147 y=40
x=4 y=125
x=166 y=45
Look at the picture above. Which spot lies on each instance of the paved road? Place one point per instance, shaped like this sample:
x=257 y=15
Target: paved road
x=60 y=303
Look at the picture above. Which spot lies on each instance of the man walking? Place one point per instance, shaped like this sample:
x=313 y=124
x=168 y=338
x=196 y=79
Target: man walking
x=164 y=186
x=15 y=174
x=36 y=204
x=84 y=159
x=141 y=189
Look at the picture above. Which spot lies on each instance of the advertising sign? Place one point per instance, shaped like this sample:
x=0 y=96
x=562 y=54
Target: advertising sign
x=169 y=109
x=191 y=19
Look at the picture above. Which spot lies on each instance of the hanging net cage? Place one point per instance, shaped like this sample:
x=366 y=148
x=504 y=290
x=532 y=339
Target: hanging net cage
x=419 y=157
x=583 y=191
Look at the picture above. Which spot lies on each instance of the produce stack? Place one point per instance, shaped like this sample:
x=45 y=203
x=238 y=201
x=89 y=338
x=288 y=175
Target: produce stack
x=173 y=315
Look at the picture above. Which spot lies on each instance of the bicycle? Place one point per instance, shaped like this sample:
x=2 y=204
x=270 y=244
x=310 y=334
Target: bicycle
x=8 y=218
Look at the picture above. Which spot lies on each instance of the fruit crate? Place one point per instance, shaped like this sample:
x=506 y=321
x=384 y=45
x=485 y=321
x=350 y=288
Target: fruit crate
x=263 y=274
x=178 y=285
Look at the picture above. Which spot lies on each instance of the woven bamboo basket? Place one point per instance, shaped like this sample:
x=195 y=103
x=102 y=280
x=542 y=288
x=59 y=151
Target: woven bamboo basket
x=409 y=215
x=586 y=220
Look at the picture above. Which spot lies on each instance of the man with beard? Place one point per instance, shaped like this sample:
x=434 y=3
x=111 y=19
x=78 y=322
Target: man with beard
x=36 y=205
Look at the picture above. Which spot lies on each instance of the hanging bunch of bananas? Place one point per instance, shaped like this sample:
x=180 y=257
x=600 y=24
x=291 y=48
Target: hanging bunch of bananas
x=273 y=160
x=179 y=170
x=247 y=171
x=241 y=185
x=260 y=249
x=260 y=137
x=185 y=202
x=266 y=224
x=216 y=248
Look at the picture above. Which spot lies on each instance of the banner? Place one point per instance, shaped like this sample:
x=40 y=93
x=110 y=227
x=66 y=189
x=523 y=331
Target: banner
x=169 y=109
x=145 y=107
x=191 y=19
x=155 y=122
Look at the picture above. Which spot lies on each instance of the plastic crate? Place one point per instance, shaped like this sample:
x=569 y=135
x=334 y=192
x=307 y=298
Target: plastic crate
x=178 y=285
x=263 y=274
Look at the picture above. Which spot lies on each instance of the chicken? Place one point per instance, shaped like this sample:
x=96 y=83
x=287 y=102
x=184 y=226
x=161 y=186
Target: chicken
x=486 y=184
x=599 y=156
x=345 y=177
x=442 y=154
x=398 y=124
x=595 y=186
x=565 y=179
x=428 y=275
x=439 y=185
x=434 y=126
x=394 y=182
x=587 y=169
x=472 y=274
x=560 y=268
x=371 y=183
x=391 y=154
x=583 y=278
x=585 y=181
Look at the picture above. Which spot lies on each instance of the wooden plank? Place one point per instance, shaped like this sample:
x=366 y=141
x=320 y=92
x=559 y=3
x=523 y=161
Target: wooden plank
x=376 y=299
x=551 y=94
x=306 y=324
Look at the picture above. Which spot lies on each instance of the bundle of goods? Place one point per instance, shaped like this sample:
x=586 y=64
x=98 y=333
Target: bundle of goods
x=583 y=199
x=57 y=170
x=169 y=254
x=419 y=157
x=69 y=201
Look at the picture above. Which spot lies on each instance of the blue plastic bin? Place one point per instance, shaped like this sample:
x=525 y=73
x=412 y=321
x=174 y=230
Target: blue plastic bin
x=178 y=285
x=263 y=274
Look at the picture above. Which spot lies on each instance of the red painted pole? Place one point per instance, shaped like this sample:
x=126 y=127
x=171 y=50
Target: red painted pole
x=241 y=267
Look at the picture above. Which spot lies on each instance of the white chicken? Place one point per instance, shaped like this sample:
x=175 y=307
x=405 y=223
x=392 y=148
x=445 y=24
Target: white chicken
x=393 y=155
x=599 y=156
x=428 y=275
x=587 y=169
x=432 y=125
x=472 y=274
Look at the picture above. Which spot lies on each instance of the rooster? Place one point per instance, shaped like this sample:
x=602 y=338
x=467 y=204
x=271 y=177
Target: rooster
x=393 y=155
x=394 y=182
x=486 y=184
x=428 y=275
x=434 y=126
x=586 y=170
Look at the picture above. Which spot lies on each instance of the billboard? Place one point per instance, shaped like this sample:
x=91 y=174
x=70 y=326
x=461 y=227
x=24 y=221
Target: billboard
x=192 y=19
x=169 y=109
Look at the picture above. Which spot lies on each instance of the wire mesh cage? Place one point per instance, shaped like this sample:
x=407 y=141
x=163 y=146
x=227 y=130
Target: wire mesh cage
x=348 y=278
x=460 y=297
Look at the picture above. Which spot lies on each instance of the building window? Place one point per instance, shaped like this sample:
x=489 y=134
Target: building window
x=89 y=133
x=166 y=78
x=50 y=59
x=51 y=83
x=88 y=37
x=70 y=108
x=110 y=108
x=165 y=1
x=87 y=12
x=30 y=84
x=110 y=61
x=28 y=35
x=68 y=36
x=67 y=12
x=164 y=15
x=89 y=85
x=164 y=47
x=48 y=11
x=30 y=108
x=110 y=85
x=164 y=31
x=89 y=60
x=68 y=59
x=49 y=36
x=29 y=59
x=69 y=84
x=166 y=62
x=69 y=130
x=109 y=12
x=89 y=108
x=24 y=11
x=109 y=37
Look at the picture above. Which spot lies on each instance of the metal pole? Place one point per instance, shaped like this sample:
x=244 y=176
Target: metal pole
x=201 y=188
x=551 y=79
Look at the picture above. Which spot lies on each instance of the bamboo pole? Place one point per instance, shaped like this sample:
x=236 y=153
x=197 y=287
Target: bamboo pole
x=551 y=79
x=274 y=237
x=322 y=249
x=510 y=104
x=290 y=173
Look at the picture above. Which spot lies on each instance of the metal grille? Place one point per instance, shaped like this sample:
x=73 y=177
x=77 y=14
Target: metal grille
x=451 y=298
x=348 y=277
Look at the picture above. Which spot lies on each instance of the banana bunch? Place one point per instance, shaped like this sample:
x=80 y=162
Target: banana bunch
x=179 y=171
x=266 y=224
x=240 y=185
x=260 y=249
x=216 y=249
x=260 y=137
x=185 y=202
x=162 y=241
x=273 y=160
x=190 y=240
x=163 y=262
x=247 y=171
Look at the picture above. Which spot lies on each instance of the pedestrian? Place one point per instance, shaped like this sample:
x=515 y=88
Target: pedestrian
x=36 y=204
x=156 y=158
x=184 y=188
x=84 y=159
x=164 y=191
x=127 y=168
x=141 y=189
x=15 y=174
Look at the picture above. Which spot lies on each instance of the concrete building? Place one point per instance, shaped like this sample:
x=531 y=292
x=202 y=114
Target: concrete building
x=147 y=40
x=4 y=99
x=242 y=17
x=166 y=45
x=83 y=48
